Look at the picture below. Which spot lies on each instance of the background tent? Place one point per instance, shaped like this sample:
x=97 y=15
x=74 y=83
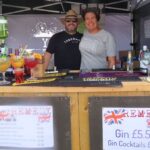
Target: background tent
x=27 y=17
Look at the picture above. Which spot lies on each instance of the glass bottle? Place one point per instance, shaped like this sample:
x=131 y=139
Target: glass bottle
x=3 y=28
x=144 y=58
x=130 y=62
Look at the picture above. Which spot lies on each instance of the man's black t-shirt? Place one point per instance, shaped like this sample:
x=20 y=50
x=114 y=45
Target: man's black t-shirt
x=65 y=48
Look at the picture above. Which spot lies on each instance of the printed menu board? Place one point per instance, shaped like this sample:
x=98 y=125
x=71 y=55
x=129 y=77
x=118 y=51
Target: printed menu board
x=126 y=128
x=119 y=122
x=35 y=122
x=26 y=126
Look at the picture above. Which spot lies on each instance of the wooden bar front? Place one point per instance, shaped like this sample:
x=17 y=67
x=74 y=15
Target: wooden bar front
x=78 y=103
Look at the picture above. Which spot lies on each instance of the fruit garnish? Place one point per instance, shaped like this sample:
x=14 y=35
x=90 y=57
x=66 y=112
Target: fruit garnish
x=37 y=56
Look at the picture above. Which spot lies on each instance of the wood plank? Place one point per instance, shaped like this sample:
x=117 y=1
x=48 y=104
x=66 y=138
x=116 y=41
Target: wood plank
x=127 y=86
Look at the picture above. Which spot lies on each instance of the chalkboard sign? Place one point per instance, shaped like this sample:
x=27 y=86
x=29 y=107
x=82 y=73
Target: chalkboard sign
x=31 y=123
x=119 y=123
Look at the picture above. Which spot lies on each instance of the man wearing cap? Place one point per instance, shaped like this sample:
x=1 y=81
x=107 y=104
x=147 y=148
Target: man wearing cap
x=65 y=45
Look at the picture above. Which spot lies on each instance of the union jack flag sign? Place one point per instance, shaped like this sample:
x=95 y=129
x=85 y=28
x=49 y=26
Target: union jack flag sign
x=114 y=117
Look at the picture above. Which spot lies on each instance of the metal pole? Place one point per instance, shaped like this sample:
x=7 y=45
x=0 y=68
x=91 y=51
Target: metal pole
x=0 y=7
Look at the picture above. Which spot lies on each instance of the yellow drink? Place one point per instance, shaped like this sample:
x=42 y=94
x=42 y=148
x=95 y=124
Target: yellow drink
x=17 y=61
x=4 y=64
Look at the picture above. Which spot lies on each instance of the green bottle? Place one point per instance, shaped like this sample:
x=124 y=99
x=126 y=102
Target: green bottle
x=3 y=28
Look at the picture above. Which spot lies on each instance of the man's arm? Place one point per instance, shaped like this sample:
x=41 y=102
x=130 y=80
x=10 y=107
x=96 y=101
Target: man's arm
x=111 y=61
x=47 y=58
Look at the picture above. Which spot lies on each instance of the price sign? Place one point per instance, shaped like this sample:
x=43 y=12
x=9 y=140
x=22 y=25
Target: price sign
x=126 y=128
x=26 y=126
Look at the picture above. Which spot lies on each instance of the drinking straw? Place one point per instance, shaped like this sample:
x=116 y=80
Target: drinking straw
x=23 y=50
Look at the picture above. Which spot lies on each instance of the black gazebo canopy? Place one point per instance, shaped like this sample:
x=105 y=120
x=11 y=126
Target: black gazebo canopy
x=61 y=6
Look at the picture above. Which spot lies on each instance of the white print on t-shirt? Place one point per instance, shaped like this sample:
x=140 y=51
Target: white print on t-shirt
x=71 y=39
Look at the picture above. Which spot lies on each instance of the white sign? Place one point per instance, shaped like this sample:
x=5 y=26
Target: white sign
x=126 y=128
x=26 y=126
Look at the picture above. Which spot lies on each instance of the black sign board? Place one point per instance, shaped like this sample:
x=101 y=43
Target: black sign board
x=119 y=123
x=31 y=123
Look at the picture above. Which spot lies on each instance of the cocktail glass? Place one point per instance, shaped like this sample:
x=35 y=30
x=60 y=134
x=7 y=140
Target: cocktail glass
x=4 y=65
x=18 y=65
x=17 y=61
x=19 y=75
x=31 y=62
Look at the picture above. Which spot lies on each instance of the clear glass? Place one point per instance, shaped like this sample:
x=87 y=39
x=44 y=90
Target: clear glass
x=31 y=62
x=130 y=67
x=4 y=65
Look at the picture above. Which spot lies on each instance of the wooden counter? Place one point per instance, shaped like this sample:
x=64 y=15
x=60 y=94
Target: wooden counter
x=78 y=103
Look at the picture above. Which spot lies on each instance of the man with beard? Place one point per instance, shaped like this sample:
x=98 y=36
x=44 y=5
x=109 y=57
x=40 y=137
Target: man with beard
x=65 y=45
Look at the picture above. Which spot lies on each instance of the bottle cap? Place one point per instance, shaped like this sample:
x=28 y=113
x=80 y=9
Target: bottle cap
x=144 y=47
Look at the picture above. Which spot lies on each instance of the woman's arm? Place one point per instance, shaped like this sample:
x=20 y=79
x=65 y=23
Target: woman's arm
x=111 y=61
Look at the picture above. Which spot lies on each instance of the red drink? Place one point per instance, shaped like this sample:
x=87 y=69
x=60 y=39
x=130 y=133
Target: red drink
x=31 y=63
x=19 y=75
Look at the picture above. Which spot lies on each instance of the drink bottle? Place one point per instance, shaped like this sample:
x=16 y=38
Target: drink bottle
x=130 y=62
x=144 y=58
x=3 y=28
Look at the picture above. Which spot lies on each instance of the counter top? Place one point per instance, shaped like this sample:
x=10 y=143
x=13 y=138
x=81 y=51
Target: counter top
x=127 y=86
x=129 y=83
